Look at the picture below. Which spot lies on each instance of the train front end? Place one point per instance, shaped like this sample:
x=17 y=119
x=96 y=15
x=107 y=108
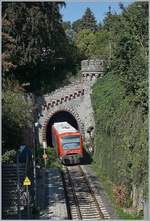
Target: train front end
x=72 y=148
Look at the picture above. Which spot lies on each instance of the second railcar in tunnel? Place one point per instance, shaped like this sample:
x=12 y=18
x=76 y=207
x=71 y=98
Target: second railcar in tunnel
x=68 y=143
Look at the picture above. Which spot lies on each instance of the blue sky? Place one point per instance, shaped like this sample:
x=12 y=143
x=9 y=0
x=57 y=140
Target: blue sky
x=75 y=10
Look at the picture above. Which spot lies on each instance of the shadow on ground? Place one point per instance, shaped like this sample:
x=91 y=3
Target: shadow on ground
x=87 y=159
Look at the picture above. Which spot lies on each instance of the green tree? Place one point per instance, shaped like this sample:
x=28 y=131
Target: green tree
x=66 y=25
x=77 y=26
x=89 y=21
x=85 y=41
x=101 y=46
x=70 y=33
x=41 y=46
x=131 y=52
x=126 y=46
x=8 y=45
x=16 y=116
x=112 y=25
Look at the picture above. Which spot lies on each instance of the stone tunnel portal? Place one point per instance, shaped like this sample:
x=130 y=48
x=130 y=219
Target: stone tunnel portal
x=59 y=116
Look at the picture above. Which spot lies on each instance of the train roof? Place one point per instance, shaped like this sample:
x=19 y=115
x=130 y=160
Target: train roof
x=63 y=127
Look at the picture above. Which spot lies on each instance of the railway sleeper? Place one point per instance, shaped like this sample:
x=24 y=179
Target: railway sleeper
x=90 y=209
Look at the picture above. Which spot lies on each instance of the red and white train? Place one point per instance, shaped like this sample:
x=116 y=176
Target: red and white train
x=68 y=143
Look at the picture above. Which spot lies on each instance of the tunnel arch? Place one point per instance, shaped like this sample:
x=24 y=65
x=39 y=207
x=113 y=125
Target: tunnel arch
x=59 y=116
x=62 y=114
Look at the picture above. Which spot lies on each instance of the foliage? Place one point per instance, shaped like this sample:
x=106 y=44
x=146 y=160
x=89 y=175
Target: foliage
x=41 y=49
x=70 y=33
x=77 y=26
x=121 y=135
x=82 y=33
x=39 y=156
x=124 y=215
x=130 y=53
x=8 y=156
x=92 y=44
x=120 y=193
x=101 y=48
x=85 y=41
x=108 y=186
x=66 y=25
x=120 y=103
x=8 y=44
x=29 y=18
x=87 y=21
x=16 y=115
x=51 y=161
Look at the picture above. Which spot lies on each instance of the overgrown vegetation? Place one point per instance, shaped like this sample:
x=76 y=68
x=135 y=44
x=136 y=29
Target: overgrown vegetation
x=51 y=160
x=121 y=141
x=40 y=49
x=120 y=102
x=16 y=116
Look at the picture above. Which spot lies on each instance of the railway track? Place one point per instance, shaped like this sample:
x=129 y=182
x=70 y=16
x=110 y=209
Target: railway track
x=81 y=199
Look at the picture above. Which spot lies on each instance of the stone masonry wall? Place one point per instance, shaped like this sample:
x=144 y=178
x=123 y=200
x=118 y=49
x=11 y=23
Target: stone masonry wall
x=74 y=98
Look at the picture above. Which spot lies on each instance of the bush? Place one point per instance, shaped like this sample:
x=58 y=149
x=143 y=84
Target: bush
x=120 y=194
x=52 y=159
x=17 y=115
x=8 y=156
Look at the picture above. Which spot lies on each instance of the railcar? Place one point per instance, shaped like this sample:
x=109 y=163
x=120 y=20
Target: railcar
x=68 y=143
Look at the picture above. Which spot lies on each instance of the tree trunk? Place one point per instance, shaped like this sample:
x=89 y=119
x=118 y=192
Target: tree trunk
x=137 y=197
x=134 y=196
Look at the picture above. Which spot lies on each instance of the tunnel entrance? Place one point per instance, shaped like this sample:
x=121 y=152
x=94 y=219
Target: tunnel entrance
x=59 y=116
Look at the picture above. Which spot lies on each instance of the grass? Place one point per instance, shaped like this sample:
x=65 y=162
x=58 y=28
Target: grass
x=123 y=215
x=107 y=185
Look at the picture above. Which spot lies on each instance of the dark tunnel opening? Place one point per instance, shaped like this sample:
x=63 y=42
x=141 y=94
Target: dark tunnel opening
x=59 y=116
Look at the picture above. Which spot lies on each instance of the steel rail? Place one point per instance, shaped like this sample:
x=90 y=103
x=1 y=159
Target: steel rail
x=92 y=193
x=74 y=195
x=82 y=211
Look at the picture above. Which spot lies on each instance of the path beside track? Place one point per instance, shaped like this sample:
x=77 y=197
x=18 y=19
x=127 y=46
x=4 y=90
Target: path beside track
x=51 y=194
x=51 y=198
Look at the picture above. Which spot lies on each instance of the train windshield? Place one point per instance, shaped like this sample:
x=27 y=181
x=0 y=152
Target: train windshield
x=71 y=142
